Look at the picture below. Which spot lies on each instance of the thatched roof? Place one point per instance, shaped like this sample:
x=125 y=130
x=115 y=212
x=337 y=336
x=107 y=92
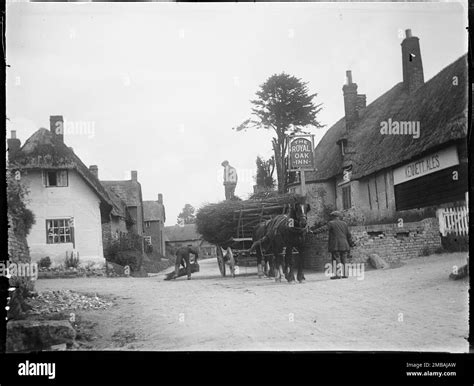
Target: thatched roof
x=129 y=191
x=153 y=211
x=119 y=208
x=44 y=151
x=439 y=106
x=188 y=232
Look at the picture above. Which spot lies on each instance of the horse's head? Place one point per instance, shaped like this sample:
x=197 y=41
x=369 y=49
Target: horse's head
x=299 y=213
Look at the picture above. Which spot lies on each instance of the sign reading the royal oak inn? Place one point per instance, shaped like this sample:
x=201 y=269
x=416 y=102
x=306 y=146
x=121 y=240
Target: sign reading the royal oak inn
x=432 y=163
x=301 y=154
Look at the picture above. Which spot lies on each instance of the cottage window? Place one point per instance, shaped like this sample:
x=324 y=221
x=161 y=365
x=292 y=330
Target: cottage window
x=346 y=197
x=147 y=224
x=59 y=231
x=55 y=178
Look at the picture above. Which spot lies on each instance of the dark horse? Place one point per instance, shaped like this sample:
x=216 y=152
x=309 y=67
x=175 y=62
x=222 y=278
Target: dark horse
x=282 y=231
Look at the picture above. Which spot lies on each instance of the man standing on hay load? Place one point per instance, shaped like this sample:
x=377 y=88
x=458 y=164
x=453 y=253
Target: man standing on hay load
x=230 y=180
x=339 y=243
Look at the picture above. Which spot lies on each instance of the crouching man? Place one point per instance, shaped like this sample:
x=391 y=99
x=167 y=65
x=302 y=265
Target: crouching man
x=182 y=258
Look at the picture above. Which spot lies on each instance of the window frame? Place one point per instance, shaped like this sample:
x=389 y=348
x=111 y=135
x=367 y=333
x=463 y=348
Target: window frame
x=46 y=178
x=67 y=236
x=346 y=197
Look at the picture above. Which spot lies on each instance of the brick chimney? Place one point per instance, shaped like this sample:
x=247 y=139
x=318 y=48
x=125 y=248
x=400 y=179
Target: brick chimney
x=56 y=126
x=14 y=145
x=413 y=76
x=353 y=102
x=134 y=175
x=94 y=169
x=160 y=198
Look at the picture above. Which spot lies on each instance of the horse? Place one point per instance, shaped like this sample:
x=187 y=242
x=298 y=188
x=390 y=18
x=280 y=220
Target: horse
x=267 y=267
x=283 y=231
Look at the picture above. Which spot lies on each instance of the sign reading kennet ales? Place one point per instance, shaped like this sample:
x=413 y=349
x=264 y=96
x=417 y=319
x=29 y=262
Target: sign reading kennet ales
x=301 y=154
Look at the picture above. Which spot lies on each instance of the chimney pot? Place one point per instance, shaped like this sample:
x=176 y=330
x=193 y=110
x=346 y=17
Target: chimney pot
x=134 y=175
x=160 y=198
x=94 y=169
x=412 y=65
x=349 y=76
x=13 y=134
x=350 y=101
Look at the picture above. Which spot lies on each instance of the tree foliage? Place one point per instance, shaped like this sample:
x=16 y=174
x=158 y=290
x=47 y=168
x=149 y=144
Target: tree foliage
x=285 y=106
x=187 y=215
x=22 y=217
x=265 y=168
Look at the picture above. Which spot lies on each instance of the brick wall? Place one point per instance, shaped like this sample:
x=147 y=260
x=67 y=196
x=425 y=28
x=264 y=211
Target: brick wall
x=389 y=241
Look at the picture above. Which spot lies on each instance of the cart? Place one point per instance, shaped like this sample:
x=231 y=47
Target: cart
x=235 y=253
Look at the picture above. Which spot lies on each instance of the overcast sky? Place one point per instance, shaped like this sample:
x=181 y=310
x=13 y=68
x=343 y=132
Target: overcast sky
x=159 y=86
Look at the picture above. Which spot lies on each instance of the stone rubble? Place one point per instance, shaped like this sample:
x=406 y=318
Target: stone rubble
x=61 y=300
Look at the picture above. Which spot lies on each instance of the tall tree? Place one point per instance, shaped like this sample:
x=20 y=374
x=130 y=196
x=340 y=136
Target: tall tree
x=187 y=215
x=285 y=106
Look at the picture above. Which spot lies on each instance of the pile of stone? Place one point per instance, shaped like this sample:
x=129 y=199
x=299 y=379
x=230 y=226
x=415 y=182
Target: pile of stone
x=62 y=272
x=57 y=301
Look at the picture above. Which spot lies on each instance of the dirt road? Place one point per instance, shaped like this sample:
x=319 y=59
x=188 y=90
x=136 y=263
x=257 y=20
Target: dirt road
x=410 y=308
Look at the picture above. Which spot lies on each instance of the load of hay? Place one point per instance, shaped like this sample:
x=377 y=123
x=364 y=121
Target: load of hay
x=218 y=223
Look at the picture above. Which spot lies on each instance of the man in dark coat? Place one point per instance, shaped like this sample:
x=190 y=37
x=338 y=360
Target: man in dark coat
x=339 y=243
x=182 y=256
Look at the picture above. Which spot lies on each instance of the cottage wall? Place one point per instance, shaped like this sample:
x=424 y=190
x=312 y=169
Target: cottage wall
x=389 y=241
x=376 y=196
x=155 y=230
x=78 y=201
x=318 y=195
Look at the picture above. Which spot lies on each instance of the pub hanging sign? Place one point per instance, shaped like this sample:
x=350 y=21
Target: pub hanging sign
x=301 y=154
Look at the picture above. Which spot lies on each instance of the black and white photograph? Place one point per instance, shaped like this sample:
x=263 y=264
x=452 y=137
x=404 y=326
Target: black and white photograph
x=244 y=177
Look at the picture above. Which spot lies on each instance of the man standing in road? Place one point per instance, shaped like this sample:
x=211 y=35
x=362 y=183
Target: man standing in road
x=339 y=243
x=230 y=180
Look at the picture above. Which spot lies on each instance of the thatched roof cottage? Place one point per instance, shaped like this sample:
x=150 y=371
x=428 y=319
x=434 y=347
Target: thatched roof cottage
x=405 y=151
x=67 y=199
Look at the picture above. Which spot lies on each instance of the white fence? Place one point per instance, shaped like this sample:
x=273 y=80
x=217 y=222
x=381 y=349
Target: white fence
x=454 y=220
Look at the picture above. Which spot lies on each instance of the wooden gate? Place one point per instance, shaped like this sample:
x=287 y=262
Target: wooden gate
x=454 y=220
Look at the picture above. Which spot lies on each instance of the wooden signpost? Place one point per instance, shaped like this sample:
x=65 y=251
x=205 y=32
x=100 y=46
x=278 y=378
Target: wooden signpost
x=301 y=155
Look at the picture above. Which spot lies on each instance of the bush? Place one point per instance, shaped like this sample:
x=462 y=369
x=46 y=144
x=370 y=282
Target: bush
x=71 y=261
x=131 y=258
x=45 y=262
x=455 y=243
x=22 y=217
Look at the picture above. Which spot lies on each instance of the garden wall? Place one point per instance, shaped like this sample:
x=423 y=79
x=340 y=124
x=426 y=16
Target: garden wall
x=389 y=241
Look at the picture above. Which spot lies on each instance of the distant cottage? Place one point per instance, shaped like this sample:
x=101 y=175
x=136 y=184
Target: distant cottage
x=155 y=217
x=179 y=236
x=416 y=166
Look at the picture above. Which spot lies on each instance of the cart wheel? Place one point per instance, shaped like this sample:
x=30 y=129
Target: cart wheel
x=220 y=260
